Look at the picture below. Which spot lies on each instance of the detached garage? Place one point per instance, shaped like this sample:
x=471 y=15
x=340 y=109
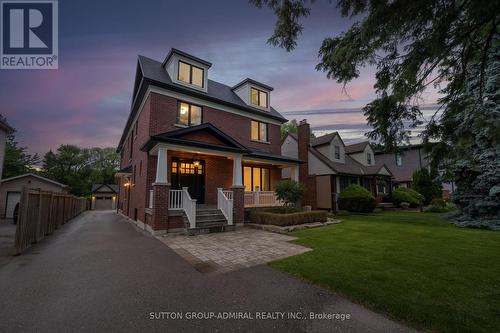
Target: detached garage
x=11 y=188
x=104 y=196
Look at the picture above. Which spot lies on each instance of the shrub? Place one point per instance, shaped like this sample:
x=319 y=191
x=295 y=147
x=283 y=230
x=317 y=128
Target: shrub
x=261 y=217
x=424 y=183
x=437 y=208
x=289 y=191
x=438 y=202
x=356 y=199
x=404 y=205
x=279 y=210
x=403 y=194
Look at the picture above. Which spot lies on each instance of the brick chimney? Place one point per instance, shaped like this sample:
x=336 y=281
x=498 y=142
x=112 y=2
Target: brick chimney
x=304 y=141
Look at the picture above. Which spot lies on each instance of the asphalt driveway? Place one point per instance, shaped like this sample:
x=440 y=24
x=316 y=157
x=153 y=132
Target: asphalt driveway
x=98 y=273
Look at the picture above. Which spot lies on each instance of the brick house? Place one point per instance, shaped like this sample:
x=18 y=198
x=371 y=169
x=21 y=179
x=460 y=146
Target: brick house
x=196 y=152
x=331 y=166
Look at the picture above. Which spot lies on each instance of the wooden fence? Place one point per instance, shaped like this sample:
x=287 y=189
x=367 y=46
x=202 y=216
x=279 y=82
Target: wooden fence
x=42 y=212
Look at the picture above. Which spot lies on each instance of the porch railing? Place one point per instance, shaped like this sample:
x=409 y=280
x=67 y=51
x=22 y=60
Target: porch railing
x=261 y=199
x=181 y=200
x=225 y=204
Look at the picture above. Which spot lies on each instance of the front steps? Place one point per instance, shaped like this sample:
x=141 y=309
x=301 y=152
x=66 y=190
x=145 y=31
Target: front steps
x=209 y=220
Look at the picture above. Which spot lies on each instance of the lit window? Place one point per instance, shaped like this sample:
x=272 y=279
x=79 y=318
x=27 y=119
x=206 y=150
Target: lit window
x=258 y=131
x=369 y=158
x=188 y=114
x=258 y=97
x=256 y=179
x=190 y=74
x=337 y=152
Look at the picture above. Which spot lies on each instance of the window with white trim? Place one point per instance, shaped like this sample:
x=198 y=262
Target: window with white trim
x=188 y=114
x=190 y=74
x=258 y=131
x=259 y=97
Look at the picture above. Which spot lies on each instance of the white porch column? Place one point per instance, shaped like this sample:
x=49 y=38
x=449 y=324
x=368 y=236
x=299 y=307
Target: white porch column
x=237 y=171
x=162 y=166
x=294 y=173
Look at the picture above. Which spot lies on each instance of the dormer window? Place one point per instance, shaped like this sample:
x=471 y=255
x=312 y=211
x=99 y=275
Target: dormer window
x=337 y=152
x=258 y=97
x=190 y=74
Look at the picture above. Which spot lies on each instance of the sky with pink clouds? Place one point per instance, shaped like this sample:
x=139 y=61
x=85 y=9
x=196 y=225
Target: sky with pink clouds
x=87 y=100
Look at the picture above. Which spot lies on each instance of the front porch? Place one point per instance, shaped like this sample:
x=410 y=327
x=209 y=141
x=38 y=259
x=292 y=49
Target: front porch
x=201 y=191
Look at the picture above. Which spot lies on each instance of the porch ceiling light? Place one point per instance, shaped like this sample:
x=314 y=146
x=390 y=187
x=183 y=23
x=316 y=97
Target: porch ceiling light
x=196 y=163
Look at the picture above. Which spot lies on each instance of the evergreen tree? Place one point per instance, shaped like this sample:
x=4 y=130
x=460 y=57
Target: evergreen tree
x=414 y=44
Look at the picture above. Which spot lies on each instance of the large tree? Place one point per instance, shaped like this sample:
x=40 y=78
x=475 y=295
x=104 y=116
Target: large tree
x=79 y=168
x=412 y=45
x=17 y=159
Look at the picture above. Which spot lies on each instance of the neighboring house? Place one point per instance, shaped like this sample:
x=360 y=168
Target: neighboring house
x=11 y=188
x=104 y=196
x=5 y=130
x=332 y=166
x=195 y=152
x=403 y=164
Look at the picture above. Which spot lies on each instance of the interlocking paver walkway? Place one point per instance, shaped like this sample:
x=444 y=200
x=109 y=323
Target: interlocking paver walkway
x=228 y=251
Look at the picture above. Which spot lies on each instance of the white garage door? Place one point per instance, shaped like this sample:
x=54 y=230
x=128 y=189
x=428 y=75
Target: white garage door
x=12 y=200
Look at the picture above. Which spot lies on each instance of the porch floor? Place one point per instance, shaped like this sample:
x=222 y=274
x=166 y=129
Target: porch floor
x=224 y=252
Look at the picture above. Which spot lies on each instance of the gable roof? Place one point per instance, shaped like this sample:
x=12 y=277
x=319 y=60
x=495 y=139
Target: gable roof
x=257 y=83
x=152 y=72
x=324 y=139
x=176 y=138
x=350 y=167
x=185 y=55
x=356 y=148
x=113 y=187
x=29 y=174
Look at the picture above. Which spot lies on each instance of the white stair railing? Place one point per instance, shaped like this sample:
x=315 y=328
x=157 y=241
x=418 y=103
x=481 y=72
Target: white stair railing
x=181 y=200
x=225 y=204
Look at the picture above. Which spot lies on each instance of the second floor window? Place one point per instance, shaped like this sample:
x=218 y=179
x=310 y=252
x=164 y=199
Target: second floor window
x=337 y=152
x=190 y=74
x=259 y=131
x=188 y=114
x=399 y=160
x=369 y=158
x=258 y=97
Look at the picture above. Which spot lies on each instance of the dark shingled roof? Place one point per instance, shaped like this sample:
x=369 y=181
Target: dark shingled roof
x=257 y=83
x=324 y=139
x=356 y=148
x=114 y=188
x=155 y=74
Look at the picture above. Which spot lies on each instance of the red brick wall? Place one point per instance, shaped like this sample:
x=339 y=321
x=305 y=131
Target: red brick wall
x=140 y=187
x=164 y=113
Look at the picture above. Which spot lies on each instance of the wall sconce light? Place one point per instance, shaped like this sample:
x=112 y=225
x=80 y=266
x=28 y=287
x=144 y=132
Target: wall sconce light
x=126 y=184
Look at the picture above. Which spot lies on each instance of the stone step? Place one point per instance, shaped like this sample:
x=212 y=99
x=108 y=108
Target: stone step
x=208 y=212
x=208 y=230
x=210 y=218
x=211 y=224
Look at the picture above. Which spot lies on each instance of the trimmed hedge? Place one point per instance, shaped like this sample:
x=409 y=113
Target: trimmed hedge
x=404 y=194
x=261 y=217
x=279 y=210
x=355 y=198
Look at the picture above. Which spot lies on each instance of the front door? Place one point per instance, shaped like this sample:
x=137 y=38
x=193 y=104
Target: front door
x=190 y=174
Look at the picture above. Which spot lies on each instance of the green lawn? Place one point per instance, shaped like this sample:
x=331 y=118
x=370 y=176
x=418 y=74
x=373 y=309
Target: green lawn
x=415 y=267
